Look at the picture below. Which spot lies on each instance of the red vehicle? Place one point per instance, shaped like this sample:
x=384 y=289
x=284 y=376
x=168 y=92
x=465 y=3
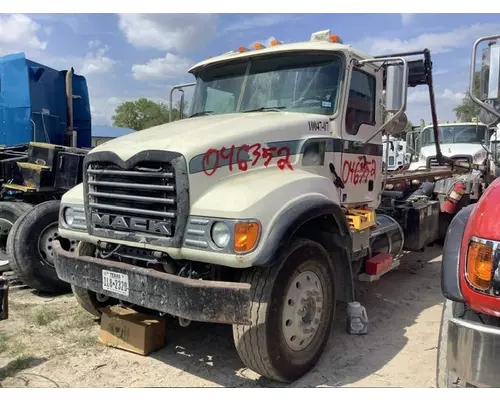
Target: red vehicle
x=469 y=337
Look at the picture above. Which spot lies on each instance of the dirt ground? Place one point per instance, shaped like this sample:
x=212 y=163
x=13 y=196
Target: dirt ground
x=51 y=342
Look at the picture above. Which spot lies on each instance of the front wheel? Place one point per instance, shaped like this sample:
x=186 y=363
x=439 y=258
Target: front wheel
x=91 y=302
x=293 y=306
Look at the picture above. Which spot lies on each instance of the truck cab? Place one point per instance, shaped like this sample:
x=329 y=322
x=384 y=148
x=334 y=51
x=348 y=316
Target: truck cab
x=258 y=209
x=463 y=142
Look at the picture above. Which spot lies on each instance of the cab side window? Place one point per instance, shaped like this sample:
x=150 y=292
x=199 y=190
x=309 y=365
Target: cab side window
x=361 y=101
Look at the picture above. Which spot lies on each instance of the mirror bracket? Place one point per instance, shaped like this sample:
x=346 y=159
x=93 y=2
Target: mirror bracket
x=404 y=88
x=179 y=88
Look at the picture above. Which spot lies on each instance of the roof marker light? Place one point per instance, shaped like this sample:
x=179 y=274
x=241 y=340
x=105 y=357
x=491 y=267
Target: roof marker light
x=242 y=49
x=258 y=46
x=335 y=39
x=275 y=42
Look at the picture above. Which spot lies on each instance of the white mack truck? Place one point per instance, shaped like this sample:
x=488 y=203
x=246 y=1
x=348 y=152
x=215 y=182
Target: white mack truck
x=463 y=141
x=263 y=207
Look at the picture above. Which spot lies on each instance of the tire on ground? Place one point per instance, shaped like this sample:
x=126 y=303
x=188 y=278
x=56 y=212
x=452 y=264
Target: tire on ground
x=30 y=259
x=10 y=212
x=284 y=297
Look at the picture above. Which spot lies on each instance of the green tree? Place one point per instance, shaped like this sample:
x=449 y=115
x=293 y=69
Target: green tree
x=143 y=113
x=468 y=109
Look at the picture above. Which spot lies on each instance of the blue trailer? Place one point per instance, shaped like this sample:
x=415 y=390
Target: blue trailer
x=45 y=133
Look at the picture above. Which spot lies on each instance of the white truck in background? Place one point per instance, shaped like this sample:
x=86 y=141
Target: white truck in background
x=461 y=141
x=394 y=153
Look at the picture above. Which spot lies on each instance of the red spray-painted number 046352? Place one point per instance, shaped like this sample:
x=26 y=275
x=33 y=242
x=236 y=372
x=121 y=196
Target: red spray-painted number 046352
x=245 y=156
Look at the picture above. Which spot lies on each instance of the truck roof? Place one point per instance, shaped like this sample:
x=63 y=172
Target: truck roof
x=318 y=45
x=455 y=124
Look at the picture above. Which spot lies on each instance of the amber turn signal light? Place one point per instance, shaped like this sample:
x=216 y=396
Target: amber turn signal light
x=246 y=235
x=479 y=267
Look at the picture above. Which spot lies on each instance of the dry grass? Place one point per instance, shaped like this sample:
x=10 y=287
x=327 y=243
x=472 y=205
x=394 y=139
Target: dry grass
x=78 y=320
x=3 y=342
x=43 y=316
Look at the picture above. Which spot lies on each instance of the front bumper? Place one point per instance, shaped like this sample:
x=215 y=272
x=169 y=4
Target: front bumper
x=474 y=352
x=195 y=300
x=4 y=301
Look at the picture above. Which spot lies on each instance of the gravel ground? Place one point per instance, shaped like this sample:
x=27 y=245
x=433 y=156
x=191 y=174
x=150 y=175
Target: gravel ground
x=51 y=342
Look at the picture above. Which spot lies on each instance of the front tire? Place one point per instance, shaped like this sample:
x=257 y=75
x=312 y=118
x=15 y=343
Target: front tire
x=30 y=252
x=293 y=306
x=90 y=301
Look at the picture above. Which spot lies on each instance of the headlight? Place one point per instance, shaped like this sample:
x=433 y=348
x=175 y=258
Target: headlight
x=479 y=264
x=72 y=217
x=69 y=216
x=220 y=234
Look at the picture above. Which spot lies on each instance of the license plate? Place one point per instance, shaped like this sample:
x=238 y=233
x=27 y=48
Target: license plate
x=115 y=282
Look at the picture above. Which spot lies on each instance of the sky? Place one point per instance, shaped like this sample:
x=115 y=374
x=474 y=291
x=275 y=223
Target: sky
x=128 y=56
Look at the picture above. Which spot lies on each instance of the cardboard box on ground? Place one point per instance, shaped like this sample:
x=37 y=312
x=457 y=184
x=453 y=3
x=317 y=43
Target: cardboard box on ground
x=127 y=329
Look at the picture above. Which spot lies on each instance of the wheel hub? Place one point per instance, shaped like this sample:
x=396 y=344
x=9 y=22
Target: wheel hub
x=303 y=310
x=47 y=237
x=5 y=226
x=101 y=298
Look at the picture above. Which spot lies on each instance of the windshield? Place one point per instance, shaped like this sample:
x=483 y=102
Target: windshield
x=294 y=82
x=455 y=134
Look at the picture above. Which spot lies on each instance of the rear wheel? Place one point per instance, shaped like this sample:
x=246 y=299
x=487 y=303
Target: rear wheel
x=293 y=306
x=29 y=248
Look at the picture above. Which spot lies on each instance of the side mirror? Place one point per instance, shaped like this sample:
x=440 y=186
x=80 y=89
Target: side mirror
x=489 y=83
x=490 y=73
x=393 y=89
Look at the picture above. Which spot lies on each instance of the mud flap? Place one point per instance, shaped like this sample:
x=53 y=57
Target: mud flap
x=4 y=303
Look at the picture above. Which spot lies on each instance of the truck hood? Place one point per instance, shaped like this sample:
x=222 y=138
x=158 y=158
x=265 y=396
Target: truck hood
x=195 y=136
x=454 y=149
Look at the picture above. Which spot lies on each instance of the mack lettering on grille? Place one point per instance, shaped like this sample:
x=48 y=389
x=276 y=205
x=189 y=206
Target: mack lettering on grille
x=132 y=223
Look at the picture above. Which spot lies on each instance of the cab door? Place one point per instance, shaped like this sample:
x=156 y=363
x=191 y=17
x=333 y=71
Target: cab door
x=361 y=168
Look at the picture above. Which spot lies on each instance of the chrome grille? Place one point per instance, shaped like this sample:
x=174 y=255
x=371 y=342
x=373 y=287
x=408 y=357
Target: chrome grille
x=140 y=199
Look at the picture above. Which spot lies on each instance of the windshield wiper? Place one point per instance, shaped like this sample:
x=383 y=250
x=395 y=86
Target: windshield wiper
x=201 y=113
x=260 y=109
